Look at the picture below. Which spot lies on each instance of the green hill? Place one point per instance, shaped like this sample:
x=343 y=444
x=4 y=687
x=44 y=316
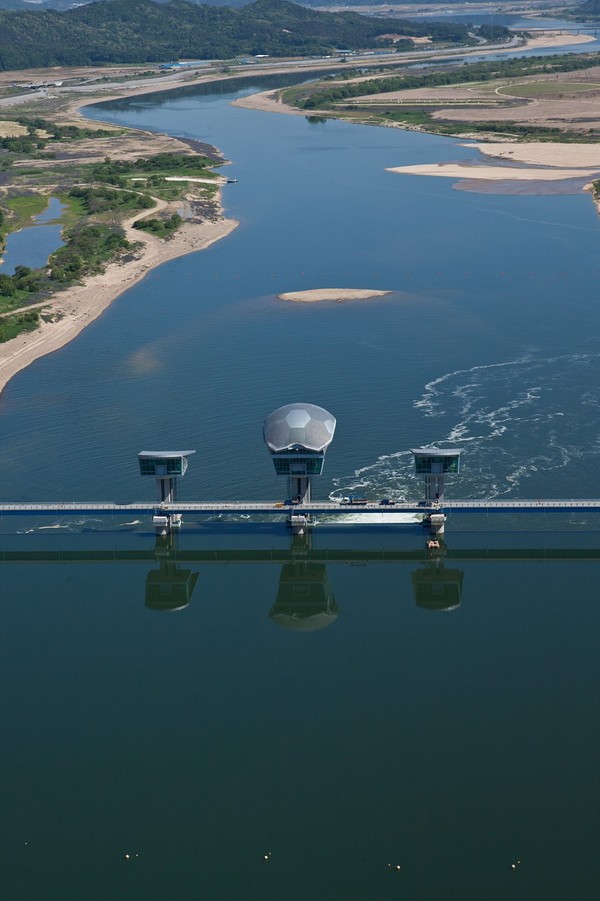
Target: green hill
x=587 y=11
x=139 y=31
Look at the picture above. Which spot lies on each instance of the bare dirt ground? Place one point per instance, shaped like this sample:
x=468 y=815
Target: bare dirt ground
x=544 y=153
x=573 y=111
x=496 y=173
x=117 y=147
x=12 y=130
x=557 y=39
x=476 y=102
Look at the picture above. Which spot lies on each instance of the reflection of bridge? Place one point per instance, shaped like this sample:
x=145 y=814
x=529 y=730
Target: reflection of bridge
x=309 y=555
x=305 y=601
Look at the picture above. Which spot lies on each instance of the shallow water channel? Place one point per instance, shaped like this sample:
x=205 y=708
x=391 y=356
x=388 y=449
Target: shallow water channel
x=32 y=245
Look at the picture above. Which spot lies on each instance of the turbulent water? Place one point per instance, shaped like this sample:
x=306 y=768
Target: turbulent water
x=517 y=418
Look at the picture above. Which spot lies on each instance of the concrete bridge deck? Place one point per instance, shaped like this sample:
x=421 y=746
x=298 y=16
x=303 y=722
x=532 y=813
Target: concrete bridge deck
x=270 y=508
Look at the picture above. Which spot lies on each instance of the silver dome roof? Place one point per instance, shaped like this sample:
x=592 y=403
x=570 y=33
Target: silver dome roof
x=299 y=426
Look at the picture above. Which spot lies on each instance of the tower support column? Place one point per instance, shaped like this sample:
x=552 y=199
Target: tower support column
x=166 y=467
x=299 y=488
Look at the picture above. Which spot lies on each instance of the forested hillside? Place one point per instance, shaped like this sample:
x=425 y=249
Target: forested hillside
x=138 y=31
x=588 y=10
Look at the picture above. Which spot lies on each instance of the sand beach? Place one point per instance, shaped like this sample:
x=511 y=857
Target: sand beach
x=338 y=295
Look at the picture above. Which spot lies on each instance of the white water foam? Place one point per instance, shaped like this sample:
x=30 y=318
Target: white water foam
x=517 y=420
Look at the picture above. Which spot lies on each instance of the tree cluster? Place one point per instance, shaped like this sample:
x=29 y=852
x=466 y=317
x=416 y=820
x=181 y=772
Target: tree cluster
x=587 y=11
x=88 y=247
x=23 y=279
x=113 y=172
x=488 y=71
x=138 y=31
x=105 y=200
x=163 y=228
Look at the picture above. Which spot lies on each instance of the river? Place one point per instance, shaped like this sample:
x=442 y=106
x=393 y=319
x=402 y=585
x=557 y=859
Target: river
x=399 y=752
x=31 y=246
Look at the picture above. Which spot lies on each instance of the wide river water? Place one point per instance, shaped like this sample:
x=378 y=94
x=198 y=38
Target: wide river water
x=401 y=752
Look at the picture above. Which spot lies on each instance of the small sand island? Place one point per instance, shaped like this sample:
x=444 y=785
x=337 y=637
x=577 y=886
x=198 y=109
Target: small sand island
x=339 y=295
x=495 y=173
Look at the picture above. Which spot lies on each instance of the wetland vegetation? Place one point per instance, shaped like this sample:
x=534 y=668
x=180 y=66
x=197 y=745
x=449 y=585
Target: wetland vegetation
x=44 y=157
x=475 y=98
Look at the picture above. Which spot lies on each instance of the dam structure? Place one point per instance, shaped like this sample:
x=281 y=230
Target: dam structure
x=297 y=437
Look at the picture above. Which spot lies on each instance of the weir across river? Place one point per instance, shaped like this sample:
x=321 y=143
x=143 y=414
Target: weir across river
x=312 y=508
x=167 y=517
x=297 y=437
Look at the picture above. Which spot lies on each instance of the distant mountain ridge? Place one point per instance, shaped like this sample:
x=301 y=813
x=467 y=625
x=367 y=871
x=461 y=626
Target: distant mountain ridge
x=588 y=10
x=71 y=4
x=36 y=5
x=139 y=31
x=62 y=5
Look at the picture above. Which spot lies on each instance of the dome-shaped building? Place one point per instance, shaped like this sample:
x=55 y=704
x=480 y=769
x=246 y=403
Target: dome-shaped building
x=297 y=436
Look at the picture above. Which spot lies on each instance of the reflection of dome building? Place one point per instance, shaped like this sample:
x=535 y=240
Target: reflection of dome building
x=297 y=437
x=305 y=601
x=437 y=588
x=169 y=588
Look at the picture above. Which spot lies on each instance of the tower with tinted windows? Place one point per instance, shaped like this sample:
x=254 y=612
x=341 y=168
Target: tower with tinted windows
x=297 y=437
x=433 y=464
x=165 y=467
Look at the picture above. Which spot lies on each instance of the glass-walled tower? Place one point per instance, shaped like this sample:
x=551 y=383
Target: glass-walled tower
x=297 y=437
x=165 y=467
x=432 y=464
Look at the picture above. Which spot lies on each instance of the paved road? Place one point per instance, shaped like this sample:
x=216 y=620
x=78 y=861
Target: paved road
x=270 y=508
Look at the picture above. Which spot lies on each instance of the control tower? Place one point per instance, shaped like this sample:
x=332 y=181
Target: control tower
x=433 y=464
x=297 y=437
x=165 y=467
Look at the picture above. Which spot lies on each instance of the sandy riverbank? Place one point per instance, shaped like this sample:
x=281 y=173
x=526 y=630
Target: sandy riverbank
x=544 y=153
x=339 y=295
x=538 y=162
x=70 y=311
x=269 y=102
x=558 y=39
x=495 y=173
x=74 y=309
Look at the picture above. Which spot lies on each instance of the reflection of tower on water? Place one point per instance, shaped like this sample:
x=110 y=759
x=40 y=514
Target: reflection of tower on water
x=436 y=587
x=305 y=601
x=168 y=588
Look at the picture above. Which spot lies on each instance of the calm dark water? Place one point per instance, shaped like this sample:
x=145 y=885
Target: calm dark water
x=211 y=753
x=33 y=245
